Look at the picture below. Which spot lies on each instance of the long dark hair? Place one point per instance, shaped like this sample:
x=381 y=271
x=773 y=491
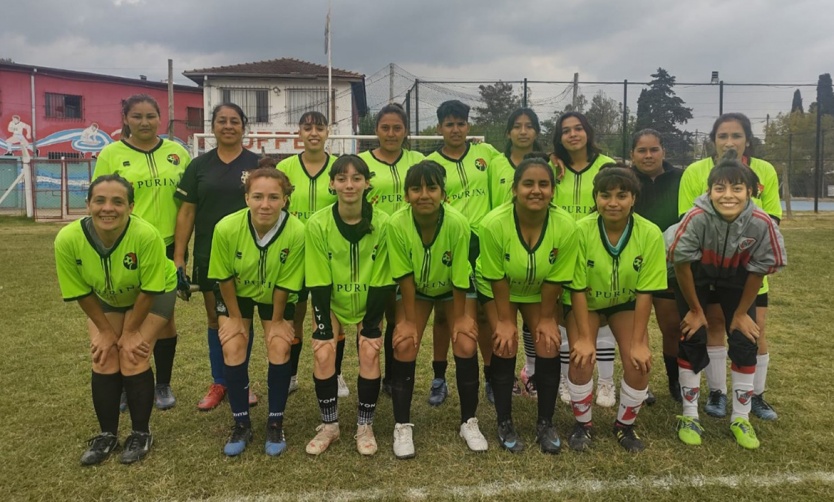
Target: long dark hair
x=129 y=103
x=529 y=113
x=559 y=149
x=340 y=166
x=745 y=124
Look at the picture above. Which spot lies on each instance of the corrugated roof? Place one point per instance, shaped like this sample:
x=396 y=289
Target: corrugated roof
x=83 y=75
x=284 y=67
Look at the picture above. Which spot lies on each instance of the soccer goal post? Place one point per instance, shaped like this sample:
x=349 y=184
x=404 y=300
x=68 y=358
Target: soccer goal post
x=283 y=145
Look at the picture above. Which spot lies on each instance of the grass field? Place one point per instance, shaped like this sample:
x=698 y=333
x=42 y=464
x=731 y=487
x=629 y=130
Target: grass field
x=48 y=415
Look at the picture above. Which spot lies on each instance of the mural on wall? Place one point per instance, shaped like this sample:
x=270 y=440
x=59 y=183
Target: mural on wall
x=87 y=141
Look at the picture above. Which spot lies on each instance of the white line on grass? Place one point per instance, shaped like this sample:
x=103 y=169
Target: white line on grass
x=588 y=486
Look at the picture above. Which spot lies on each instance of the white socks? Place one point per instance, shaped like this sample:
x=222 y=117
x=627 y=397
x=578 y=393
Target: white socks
x=760 y=378
x=716 y=370
x=630 y=402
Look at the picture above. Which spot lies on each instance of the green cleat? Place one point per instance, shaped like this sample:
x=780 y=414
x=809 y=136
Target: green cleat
x=690 y=430
x=744 y=433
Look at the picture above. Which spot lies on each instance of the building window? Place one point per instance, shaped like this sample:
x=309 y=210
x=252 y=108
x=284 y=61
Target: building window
x=194 y=117
x=64 y=155
x=301 y=101
x=63 y=106
x=254 y=102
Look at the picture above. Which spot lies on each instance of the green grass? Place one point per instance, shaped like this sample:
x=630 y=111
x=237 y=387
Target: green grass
x=48 y=416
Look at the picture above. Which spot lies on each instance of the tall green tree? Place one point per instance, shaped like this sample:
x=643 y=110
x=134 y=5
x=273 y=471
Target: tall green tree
x=825 y=95
x=796 y=105
x=606 y=117
x=497 y=102
x=659 y=108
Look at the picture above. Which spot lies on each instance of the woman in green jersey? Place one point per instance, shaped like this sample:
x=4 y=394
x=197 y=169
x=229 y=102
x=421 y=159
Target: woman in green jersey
x=154 y=166
x=523 y=129
x=257 y=257
x=528 y=251
x=388 y=164
x=114 y=265
x=733 y=132
x=349 y=279
x=213 y=187
x=428 y=247
x=621 y=263
x=308 y=173
x=575 y=148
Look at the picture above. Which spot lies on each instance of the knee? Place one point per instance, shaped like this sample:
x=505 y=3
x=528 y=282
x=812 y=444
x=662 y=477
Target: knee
x=465 y=347
x=325 y=356
x=742 y=351
x=128 y=368
x=405 y=352
x=110 y=364
x=278 y=351
x=234 y=350
x=367 y=352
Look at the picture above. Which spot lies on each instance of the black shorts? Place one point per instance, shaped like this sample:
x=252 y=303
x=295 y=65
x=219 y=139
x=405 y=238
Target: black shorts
x=669 y=294
x=761 y=300
x=169 y=252
x=163 y=305
x=199 y=276
x=608 y=311
x=247 y=308
x=474 y=249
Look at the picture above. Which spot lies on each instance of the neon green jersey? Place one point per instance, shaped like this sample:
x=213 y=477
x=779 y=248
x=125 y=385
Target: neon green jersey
x=467 y=180
x=437 y=267
x=309 y=193
x=575 y=192
x=501 y=174
x=694 y=184
x=136 y=263
x=350 y=267
x=387 y=189
x=610 y=280
x=154 y=175
x=505 y=254
x=258 y=270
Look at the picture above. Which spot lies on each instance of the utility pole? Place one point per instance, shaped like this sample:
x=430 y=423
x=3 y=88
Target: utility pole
x=171 y=99
x=575 y=90
x=390 y=82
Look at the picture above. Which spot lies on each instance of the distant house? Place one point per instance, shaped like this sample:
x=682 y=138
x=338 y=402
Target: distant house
x=275 y=93
x=54 y=113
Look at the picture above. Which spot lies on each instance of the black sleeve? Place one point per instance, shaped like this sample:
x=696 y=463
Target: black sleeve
x=323 y=330
x=187 y=188
x=374 y=310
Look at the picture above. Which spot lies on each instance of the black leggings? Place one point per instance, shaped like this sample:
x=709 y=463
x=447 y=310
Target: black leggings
x=742 y=351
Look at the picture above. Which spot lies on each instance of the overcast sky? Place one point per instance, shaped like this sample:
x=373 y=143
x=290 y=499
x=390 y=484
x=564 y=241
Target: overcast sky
x=765 y=41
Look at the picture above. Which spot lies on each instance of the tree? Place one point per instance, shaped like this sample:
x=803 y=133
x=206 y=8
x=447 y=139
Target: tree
x=6 y=60
x=659 y=108
x=499 y=102
x=606 y=117
x=796 y=106
x=825 y=95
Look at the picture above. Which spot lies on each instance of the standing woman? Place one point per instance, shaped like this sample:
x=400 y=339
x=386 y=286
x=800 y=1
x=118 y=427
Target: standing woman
x=721 y=250
x=114 y=265
x=658 y=203
x=528 y=251
x=349 y=279
x=733 y=132
x=307 y=173
x=574 y=147
x=388 y=164
x=622 y=261
x=211 y=188
x=428 y=250
x=257 y=259
x=154 y=166
x=523 y=129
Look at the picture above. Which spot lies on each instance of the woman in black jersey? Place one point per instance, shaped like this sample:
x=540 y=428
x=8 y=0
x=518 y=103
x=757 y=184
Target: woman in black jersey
x=211 y=188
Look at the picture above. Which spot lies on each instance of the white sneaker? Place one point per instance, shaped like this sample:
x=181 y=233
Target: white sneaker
x=365 y=440
x=293 y=384
x=606 y=394
x=325 y=434
x=343 y=388
x=403 y=441
x=470 y=433
x=564 y=393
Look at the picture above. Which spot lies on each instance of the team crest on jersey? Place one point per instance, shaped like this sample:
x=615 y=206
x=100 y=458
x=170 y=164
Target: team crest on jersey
x=331 y=191
x=238 y=255
x=126 y=163
x=130 y=261
x=590 y=264
x=329 y=255
x=747 y=243
x=637 y=263
x=447 y=258
x=480 y=164
x=506 y=256
x=243 y=177
x=174 y=159
x=373 y=253
x=761 y=189
x=743 y=396
x=552 y=256
x=284 y=254
x=690 y=393
x=374 y=200
x=220 y=307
